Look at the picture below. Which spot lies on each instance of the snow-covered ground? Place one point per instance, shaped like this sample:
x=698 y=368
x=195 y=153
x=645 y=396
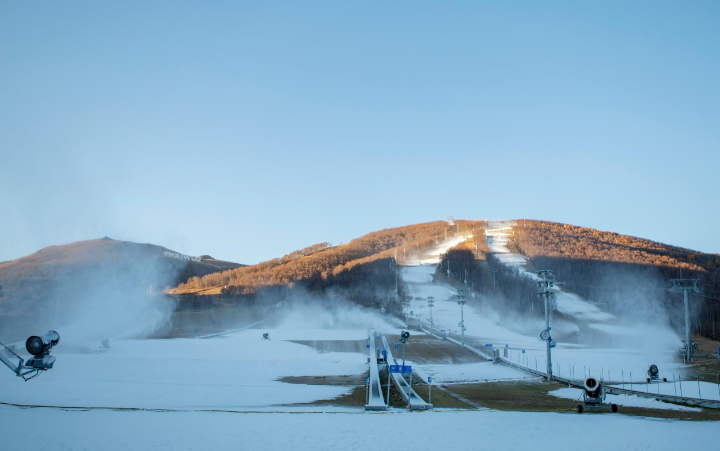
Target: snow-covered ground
x=434 y=256
x=55 y=429
x=609 y=363
x=469 y=373
x=235 y=372
x=625 y=400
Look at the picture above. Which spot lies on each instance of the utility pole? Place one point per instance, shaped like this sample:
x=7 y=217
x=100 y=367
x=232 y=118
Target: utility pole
x=545 y=292
x=461 y=303
x=448 y=270
x=477 y=255
x=389 y=376
x=494 y=271
x=431 y=303
x=685 y=285
x=445 y=233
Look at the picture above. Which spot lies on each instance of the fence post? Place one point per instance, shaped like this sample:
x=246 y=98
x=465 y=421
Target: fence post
x=699 y=394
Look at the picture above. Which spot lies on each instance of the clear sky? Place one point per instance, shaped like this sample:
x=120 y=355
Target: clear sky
x=246 y=130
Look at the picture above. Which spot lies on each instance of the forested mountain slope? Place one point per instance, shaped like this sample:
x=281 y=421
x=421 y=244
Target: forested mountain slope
x=316 y=264
x=621 y=271
x=623 y=275
x=68 y=271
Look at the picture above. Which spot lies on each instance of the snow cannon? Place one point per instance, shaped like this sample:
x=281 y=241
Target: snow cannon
x=593 y=396
x=593 y=388
x=654 y=374
x=39 y=346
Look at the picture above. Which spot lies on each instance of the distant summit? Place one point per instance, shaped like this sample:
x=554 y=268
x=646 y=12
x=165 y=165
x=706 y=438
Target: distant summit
x=69 y=270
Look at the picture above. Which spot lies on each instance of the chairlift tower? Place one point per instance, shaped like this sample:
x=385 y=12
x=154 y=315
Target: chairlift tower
x=546 y=293
x=685 y=285
x=461 y=302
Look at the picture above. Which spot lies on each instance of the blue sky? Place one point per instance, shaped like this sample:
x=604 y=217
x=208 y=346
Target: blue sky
x=246 y=130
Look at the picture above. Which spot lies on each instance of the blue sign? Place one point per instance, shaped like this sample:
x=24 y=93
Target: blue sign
x=407 y=369
x=367 y=346
x=488 y=345
x=395 y=368
x=523 y=351
x=429 y=380
x=506 y=346
x=552 y=343
x=382 y=349
x=401 y=369
x=196 y=330
x=396 y=346
x=367 y=380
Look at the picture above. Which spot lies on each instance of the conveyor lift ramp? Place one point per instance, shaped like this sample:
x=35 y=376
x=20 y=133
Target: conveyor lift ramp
x=376 y=401
x=415 y=402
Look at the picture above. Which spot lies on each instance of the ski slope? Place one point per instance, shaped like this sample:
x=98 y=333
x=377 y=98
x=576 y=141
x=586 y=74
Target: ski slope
x=567 y=303
x=643 y=344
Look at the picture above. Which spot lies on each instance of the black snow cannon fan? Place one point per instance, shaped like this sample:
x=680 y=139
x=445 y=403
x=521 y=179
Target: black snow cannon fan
x=266 y=336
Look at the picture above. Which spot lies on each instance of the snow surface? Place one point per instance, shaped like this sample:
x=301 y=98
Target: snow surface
x=609 y=363
x=625 y=400
x=434 y=256
x=477 y=430
x=573 y=305
x=469 y=373
x=237 y=371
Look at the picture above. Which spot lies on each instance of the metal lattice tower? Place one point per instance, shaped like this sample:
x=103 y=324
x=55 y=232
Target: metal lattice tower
x=684 y=286
x=431 y=304
x=546 y=293
x=461 y=302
